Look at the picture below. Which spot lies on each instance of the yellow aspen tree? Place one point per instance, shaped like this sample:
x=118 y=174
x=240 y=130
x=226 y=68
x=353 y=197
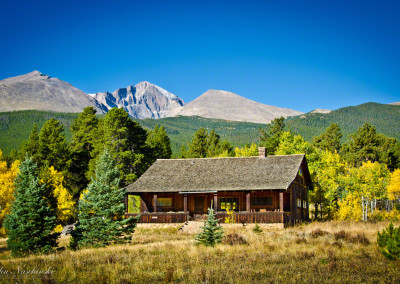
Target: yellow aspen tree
x=65 y=204
x=7 y=177
x=394 y=185
x=247 y=151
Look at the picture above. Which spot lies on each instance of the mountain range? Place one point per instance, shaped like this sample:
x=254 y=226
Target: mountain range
x=37 y=91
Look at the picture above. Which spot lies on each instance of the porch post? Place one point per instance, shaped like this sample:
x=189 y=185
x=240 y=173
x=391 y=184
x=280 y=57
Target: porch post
x=126 y=203
x=281 y=201
x=248 y=201
x=215 y=202
x=185 y=198
x=155 y=203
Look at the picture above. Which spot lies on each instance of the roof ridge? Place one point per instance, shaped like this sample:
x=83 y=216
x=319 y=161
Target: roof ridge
x=212 y=158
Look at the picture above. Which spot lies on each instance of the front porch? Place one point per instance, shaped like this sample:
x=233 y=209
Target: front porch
x=267 y=206
x=240 y=217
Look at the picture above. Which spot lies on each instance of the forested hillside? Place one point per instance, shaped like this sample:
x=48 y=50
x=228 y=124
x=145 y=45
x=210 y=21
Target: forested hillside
x=386 y=118
x=15 y=127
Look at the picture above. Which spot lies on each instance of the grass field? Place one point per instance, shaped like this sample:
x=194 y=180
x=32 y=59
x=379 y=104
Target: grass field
x=330 y=252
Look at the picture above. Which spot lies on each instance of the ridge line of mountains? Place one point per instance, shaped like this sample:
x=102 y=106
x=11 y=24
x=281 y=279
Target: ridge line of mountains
x=37 y=91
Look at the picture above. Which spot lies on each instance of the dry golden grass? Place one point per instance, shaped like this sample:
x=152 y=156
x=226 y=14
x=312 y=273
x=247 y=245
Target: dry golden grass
x=289 y=255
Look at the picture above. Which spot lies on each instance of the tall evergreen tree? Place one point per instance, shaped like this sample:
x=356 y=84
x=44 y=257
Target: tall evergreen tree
x=52 y=147
x=329 y=139
x=125 y=140
x=159 y=143
x=199 y=144
x=31 y=146
x=365 y=145
x=101 y=219
x=270 y=137
x=84 y=133
x=31 y=221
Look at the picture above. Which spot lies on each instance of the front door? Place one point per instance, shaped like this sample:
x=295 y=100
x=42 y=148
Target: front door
x=199 y=204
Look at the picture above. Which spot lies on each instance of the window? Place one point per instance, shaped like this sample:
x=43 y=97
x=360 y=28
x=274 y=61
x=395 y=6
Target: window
x=228 y=203
x=164 y=202
x=299 y=202
x=133 y=203
x=304 y=204
x=300 y=172
x=262 y=201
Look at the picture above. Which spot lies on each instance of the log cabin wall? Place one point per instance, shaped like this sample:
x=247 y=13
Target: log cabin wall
x=299 y=195
x=176 y=201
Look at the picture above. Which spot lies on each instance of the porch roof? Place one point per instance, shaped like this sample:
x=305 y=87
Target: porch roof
x=219 y=174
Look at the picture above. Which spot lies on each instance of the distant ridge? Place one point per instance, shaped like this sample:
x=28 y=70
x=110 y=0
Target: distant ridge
x=229 y=106
x=37 y=91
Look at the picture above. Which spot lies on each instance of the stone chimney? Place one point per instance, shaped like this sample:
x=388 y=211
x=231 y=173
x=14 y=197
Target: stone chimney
x=261 y=152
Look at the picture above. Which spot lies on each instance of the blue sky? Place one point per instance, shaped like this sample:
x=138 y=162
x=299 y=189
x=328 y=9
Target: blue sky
x=296 y=54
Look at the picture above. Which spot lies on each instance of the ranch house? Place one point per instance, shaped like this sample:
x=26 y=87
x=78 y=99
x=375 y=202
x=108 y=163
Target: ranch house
x=272 y=189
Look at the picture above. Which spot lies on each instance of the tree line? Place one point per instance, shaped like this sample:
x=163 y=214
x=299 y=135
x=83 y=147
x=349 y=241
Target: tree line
x=366 y=167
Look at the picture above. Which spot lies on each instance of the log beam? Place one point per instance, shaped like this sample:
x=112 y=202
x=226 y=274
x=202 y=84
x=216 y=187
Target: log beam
x=185 y=203
x=155 y=203
x=281 y=201
x=248 y=201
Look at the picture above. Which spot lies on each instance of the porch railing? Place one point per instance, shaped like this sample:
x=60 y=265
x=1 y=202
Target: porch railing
x=240 y=217
x=257 y=217
x=161 y=217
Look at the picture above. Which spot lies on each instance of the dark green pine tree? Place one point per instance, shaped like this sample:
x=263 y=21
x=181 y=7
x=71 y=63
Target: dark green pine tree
x=363 y=146
x=84 y=132
x=211 y=233
x=31 y=222
x=199 y=145
x=270 y=138
x=389 y=242
x=159 y=143
x=101 y=219
x=31 y=146
x=52 y=148
x=329 y=139
x=125 y=140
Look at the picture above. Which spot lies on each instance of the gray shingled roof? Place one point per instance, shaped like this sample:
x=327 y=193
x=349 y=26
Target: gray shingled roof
x=219 y=174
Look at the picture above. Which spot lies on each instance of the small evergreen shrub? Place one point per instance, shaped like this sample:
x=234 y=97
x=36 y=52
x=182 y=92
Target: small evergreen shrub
x=257 y=229
x=389 y=242
x=212 y=232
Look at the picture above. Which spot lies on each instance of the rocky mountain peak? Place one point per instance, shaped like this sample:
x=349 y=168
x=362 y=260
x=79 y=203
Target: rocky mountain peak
x=144 y=100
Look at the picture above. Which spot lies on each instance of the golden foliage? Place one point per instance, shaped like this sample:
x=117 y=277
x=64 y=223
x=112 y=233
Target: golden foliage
x=350 y=208
x=7 y=177
x=247 y=151
x=394 y=185
x=65 y=204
